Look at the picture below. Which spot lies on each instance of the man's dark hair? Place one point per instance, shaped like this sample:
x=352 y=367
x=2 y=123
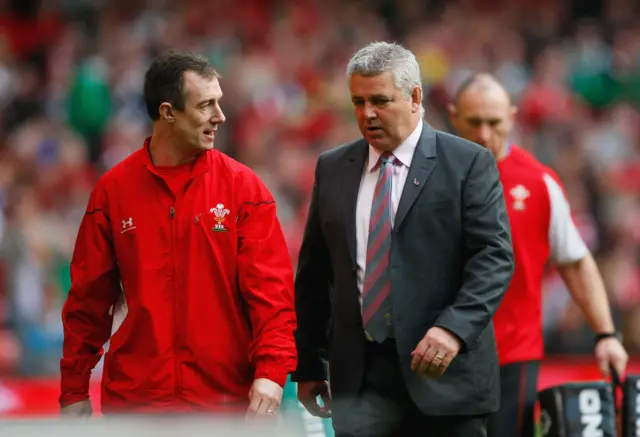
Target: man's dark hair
x=164 y=80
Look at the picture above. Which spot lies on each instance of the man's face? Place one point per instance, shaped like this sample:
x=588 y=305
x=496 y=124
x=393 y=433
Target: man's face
x=195 y=126
x=484 y=116
x=385 y=117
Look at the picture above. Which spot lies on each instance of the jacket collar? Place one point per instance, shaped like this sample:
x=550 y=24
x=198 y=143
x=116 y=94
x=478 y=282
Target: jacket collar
x=201 y=166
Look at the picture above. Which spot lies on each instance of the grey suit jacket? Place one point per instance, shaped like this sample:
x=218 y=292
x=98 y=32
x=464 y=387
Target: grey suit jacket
x=451 y=263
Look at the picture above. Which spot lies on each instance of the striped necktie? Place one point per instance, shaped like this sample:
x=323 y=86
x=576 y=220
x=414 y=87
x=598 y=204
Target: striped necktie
x=376 y=305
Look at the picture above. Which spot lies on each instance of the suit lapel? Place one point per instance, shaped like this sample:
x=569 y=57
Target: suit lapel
x=350 y=185
x=422 y=164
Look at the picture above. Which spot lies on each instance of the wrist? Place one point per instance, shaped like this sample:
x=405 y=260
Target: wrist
x=273 y=373
x=607 y=334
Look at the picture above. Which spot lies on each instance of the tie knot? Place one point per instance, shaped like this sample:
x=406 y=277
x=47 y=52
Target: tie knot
x=388 y=158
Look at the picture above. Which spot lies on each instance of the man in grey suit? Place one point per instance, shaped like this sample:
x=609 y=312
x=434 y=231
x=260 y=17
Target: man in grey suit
x=405 y=258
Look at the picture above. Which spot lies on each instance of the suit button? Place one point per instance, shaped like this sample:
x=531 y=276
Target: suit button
x=353 y=269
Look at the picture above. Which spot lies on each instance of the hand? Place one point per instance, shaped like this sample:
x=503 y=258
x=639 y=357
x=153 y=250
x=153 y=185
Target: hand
x=435 y=352
x=308 y=396
x=265 y=397
x=610 y=352
x=77 y=409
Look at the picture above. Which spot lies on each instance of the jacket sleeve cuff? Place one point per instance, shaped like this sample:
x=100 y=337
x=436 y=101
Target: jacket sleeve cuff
x=272 y=372
x=67 y=399
x=312 y=371
x=73 y=387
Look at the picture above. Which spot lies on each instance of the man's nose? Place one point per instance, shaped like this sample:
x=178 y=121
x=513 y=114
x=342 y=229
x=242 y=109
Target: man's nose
x=218 y=117
x=369 y=111
x=484 y=133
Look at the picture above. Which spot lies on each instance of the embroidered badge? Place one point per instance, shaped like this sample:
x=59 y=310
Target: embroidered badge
x=519 y=194
x=219 y=215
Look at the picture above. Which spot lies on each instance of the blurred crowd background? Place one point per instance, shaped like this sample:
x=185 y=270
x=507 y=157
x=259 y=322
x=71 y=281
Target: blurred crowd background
x=71 y=76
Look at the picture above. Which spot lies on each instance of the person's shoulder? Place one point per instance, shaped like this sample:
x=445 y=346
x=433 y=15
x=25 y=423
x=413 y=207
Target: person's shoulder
x=116 y=179
x=453 y=143
x=123 y=170
x=525 y=159
x=238 y=174
x=221 y=162
x=459 y=152
x=342 y=152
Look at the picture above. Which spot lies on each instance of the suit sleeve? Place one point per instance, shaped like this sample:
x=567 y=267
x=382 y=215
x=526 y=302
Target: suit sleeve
x=313 y=304
x=265 y=278
x=87 y=312
x=490 y=260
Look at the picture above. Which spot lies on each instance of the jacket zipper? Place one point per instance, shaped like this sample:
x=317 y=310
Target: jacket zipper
x=176 y=352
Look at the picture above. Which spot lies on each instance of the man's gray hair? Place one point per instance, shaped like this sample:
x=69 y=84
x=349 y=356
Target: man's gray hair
x=382 y=57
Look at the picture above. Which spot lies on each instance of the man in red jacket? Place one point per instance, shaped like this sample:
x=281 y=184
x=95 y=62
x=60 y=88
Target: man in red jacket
x=181 y=264
x=542 y=228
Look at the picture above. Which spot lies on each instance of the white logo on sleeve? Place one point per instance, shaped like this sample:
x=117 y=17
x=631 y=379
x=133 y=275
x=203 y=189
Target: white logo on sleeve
x=519 y=194
x=127 y=225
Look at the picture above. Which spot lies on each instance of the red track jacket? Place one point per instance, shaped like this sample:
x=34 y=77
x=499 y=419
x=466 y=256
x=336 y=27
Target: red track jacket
x=204 y=279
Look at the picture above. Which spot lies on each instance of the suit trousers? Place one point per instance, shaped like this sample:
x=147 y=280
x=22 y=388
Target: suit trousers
x=384 y=408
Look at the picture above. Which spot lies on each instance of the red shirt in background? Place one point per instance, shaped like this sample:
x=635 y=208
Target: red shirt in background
x=542 y=228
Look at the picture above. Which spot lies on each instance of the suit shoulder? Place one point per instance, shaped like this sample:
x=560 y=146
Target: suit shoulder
x=338 y=153
x=456 y=144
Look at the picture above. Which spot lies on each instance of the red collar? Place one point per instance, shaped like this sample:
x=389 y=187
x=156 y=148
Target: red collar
x=200 y=167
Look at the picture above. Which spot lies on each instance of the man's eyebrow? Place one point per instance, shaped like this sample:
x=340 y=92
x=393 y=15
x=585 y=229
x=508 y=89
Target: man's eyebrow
x=372 y=97
x=212 y=99
x=484 y=119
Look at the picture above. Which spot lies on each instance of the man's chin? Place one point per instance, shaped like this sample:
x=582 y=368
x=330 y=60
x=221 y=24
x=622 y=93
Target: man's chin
x=207 y=145
x=382 y=144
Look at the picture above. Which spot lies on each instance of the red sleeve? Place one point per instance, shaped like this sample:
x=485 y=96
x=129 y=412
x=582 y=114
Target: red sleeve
x=266 y=282
x=87 y=315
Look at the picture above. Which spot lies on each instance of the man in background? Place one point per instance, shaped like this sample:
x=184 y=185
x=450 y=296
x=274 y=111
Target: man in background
x=181 y=263
x=542 y=228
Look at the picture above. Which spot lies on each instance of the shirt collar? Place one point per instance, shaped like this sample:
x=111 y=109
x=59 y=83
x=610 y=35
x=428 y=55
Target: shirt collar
x=403 y=153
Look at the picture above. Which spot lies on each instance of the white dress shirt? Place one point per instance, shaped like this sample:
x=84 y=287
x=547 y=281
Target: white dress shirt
x=404 y=154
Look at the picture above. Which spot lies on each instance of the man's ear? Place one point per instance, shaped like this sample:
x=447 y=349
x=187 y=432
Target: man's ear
x=416 y=99
x=453 y=113
x=513 y=112
x=166 y=112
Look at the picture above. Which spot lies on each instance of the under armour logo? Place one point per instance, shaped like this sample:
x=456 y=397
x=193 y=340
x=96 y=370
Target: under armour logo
x=127 y=225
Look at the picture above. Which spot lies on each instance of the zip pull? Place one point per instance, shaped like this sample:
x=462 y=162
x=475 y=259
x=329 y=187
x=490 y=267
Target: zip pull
x=172 y=212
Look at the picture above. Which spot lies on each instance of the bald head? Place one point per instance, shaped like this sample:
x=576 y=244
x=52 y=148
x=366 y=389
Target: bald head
x=482 y=83
x=482 y=112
